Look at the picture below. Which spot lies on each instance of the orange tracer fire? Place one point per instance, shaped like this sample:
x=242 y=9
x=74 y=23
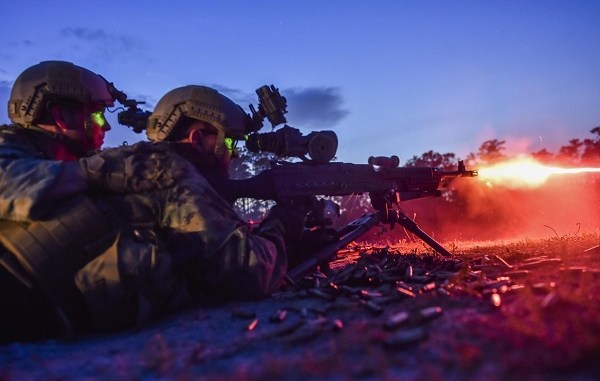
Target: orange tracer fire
x=525 y=172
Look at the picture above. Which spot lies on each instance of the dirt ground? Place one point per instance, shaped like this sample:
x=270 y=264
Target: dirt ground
x=525 y=310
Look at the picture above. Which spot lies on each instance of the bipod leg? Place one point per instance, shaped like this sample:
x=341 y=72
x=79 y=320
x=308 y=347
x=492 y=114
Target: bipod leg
x=348 y=234
x=412 y=227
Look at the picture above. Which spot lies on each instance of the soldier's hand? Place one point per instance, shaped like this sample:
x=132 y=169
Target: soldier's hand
x=126 y=170
x=292 y=218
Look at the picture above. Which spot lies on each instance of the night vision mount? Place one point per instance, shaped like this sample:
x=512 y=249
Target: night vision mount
x=131 y=116
x=320 y=146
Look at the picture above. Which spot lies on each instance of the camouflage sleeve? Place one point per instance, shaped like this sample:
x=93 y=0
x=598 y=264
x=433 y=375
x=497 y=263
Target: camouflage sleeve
x=223 y=254
x=29 y=185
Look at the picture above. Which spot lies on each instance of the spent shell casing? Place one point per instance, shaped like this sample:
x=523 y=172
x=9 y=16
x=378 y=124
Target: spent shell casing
x=368 y=295
x=549 y=300
x=575 y=269
x=495 y=300
x=337 y=325
x=539 y=263
x=396 y=320
x=359 y=273
x=444 y=275
x=373 y=307
x=405 y=292
x=278 y=316
x=388 y=298
x=518 y=273
x=319 y=274
x=430 y=312
x=501 y=260
x=252 y=325
x=374 y=270
x=402 y=339
x=350 y=290
x=420 y=278
x=321 y=294
x=543 y=287
x=304 y=312
x=496 y=284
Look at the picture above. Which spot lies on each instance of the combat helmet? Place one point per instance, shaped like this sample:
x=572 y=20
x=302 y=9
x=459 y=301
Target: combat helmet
x=201 y=103
x=55 y=80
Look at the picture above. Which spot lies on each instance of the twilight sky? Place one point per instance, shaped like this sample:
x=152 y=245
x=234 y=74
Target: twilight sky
x=390 y=77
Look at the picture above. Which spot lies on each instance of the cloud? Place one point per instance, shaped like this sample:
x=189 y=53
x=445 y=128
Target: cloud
x=103 y=42
x=85 y=33
x=314 y=107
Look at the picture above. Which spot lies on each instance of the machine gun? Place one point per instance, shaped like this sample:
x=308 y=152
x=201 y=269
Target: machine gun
x=382 y=178
x=385 y=182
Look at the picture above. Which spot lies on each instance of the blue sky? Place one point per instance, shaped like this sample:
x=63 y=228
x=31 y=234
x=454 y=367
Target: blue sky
x=390 y=77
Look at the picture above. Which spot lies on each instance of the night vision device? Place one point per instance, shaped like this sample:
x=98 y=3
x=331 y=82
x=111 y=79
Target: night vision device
x=320 y=146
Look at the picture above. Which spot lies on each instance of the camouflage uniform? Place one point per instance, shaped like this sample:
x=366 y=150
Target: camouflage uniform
x=176 y=246
x=31 y=181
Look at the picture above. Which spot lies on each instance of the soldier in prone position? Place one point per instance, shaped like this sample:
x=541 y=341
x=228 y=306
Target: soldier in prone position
x=100 y=240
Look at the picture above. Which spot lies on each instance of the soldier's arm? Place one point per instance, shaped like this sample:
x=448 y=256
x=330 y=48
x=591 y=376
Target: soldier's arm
x=223 y=255
x=29 y=186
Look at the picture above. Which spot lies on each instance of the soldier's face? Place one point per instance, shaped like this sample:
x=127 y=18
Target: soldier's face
x=95 y=127
x=85 y=124
x=205 y=139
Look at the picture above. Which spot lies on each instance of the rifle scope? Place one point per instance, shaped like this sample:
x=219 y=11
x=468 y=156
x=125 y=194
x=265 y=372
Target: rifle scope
x=321 y=146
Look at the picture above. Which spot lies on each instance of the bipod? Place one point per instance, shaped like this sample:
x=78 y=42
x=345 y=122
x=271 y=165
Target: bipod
x=354 y=230
x=398 y=216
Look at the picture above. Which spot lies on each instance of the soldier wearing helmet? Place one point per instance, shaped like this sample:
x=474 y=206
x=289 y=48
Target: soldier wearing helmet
x=204 y=119
x=65 y=102
x=202 y=125
x=52 y=208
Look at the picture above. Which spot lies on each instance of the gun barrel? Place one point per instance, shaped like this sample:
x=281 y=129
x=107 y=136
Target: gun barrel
x=461 y=171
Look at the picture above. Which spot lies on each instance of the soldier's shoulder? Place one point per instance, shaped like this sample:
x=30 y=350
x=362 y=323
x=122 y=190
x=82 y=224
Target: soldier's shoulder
x=9 y=133
x=139 y=147
x=16 y=142
x=9 y=129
